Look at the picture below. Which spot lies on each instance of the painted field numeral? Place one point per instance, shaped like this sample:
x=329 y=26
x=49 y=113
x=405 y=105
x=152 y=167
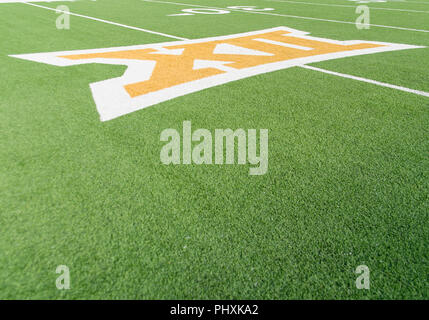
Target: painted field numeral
x=193 y=11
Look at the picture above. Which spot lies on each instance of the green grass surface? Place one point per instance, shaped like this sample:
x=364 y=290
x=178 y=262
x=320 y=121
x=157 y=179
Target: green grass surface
x=347 y=182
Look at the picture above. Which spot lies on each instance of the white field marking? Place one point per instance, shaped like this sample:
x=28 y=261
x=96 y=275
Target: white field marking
x=283 y=44
x=24 y=1
x=173 y=52
x=112 y=100
x=400 y=1
x=416 y=2
x=180 y=14
x=378 y=1
x=288 y=16
x=404 y=1
x=251 y=8
x=207 y=11
x=225 y=48
x=378 y=83
x=346 y=6
x=108 y=22
x=375 y=1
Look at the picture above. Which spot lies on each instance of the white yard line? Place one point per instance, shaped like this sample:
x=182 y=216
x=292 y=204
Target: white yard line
x=419 y=2
x=382 y=84
x=284 y=15
x=24 y=1
x=346 y=6
x=108 y=22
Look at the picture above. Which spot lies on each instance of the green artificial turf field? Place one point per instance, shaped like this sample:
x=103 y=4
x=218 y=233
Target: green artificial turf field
x=347 y=181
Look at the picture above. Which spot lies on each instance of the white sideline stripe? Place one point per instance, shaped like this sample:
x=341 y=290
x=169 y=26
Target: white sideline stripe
x=286 y=15
x=283 y=44
x=346 y=6
x=105 y=21
x=378 y=83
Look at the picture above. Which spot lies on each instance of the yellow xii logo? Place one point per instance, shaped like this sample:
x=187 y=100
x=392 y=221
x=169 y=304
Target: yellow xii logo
x=163 y=71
